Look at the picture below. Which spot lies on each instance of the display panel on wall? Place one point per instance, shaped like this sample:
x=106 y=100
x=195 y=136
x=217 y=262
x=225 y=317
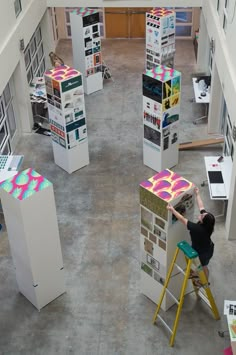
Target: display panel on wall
x=34 y=56
x=161 y=111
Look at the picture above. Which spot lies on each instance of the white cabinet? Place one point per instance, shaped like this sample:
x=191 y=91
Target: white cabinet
x=30 y=215
x=161 y=111
x=86 y=45
x=66 y=109
x=160 y=232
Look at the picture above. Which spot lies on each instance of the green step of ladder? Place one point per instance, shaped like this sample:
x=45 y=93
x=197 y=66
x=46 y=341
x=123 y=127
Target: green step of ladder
x=187 y=249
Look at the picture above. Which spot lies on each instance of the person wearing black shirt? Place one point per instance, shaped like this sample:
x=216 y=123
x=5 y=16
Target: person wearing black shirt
x=200 y=232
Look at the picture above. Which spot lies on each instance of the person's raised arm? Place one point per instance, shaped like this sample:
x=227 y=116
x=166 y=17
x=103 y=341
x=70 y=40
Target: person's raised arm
x=199 y=200
x=177 y=214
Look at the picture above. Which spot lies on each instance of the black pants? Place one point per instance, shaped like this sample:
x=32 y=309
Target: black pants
x=205 y=256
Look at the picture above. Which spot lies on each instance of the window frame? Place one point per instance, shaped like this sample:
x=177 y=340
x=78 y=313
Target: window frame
x=17 y=7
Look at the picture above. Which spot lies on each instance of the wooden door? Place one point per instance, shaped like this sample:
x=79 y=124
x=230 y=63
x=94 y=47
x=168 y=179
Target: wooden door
x=125 y=22
x=137 y=22
x=116 y=22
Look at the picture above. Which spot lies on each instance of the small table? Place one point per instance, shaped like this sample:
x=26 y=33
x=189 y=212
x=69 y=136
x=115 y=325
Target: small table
x=199 y=99
x=218 y=177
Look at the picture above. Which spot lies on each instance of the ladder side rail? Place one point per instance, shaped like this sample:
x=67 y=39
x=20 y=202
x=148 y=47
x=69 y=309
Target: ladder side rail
x=165 y=285
x=181 y=302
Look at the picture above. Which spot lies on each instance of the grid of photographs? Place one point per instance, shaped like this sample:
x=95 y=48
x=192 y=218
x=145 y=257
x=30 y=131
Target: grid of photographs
x=160 y=37
x=92 y=43
x=66 y=107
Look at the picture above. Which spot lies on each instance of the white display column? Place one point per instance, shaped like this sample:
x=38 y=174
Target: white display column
x=160 y=37
x=86 y=45
x=66 y=110
x=161 y=110
x=161 y=231
x=31 y=222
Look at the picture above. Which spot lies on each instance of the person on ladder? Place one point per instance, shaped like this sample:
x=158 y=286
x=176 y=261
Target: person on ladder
x=200 y=234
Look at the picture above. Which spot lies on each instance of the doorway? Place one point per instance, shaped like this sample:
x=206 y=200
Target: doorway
x=125 y=22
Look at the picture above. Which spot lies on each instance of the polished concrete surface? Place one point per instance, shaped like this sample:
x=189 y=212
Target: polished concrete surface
x=103 y=311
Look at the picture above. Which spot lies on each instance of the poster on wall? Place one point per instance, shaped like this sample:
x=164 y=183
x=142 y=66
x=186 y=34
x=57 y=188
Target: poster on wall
x=150 y=106
x=170 y=116
x=152 y=88
x=152 y=135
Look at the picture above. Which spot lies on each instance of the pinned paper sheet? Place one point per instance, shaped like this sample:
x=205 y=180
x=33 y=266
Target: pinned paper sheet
x=230 y=308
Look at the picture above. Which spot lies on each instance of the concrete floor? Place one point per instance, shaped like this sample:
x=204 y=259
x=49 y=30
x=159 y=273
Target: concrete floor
x=103 y=312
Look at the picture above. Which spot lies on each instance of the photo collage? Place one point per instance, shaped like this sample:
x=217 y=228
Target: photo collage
x=161 y=107
x=65 y=97
x=153 y=245
x=158 y=233
x=160 y=37
x=92 y=42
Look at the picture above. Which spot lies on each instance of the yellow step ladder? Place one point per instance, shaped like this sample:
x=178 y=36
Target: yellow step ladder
x=193 y=263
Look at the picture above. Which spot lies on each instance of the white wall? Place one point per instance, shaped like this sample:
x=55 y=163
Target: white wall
x=14 y=30
x=225 y=61
x=12 y=59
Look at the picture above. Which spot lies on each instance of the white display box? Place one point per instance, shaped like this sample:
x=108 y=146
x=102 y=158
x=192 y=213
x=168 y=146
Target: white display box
x=160 y=233
x=161 y=113
x=66 y=109
x=86 y=46
x=31 y=222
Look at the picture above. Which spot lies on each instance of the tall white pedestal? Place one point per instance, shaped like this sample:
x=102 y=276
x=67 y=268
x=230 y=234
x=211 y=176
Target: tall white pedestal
x=160 y=37
x=86 y=45
x=161 y=111
x=160 y=232
x=31 y=221
x=66 y=109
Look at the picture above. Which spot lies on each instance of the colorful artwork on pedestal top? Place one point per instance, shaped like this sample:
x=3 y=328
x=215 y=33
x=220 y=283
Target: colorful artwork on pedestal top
x=167 y=185
x=161 y=11
x=84 y=11
x=25 y=184
x=162 y=73
x=62 y=73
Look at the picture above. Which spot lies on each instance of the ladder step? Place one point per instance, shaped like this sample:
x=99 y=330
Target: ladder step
x=165 y=324
x=171 y=294
x=187 y=249
x=180 y=269
x=204 y=298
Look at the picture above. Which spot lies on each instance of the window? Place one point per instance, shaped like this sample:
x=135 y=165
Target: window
x=184 y=21
x=218 y=5
x=53 y=15
x=228 y=134
x=34 y=56
x=18 y=8
x=225 y=15
x=8 y=124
